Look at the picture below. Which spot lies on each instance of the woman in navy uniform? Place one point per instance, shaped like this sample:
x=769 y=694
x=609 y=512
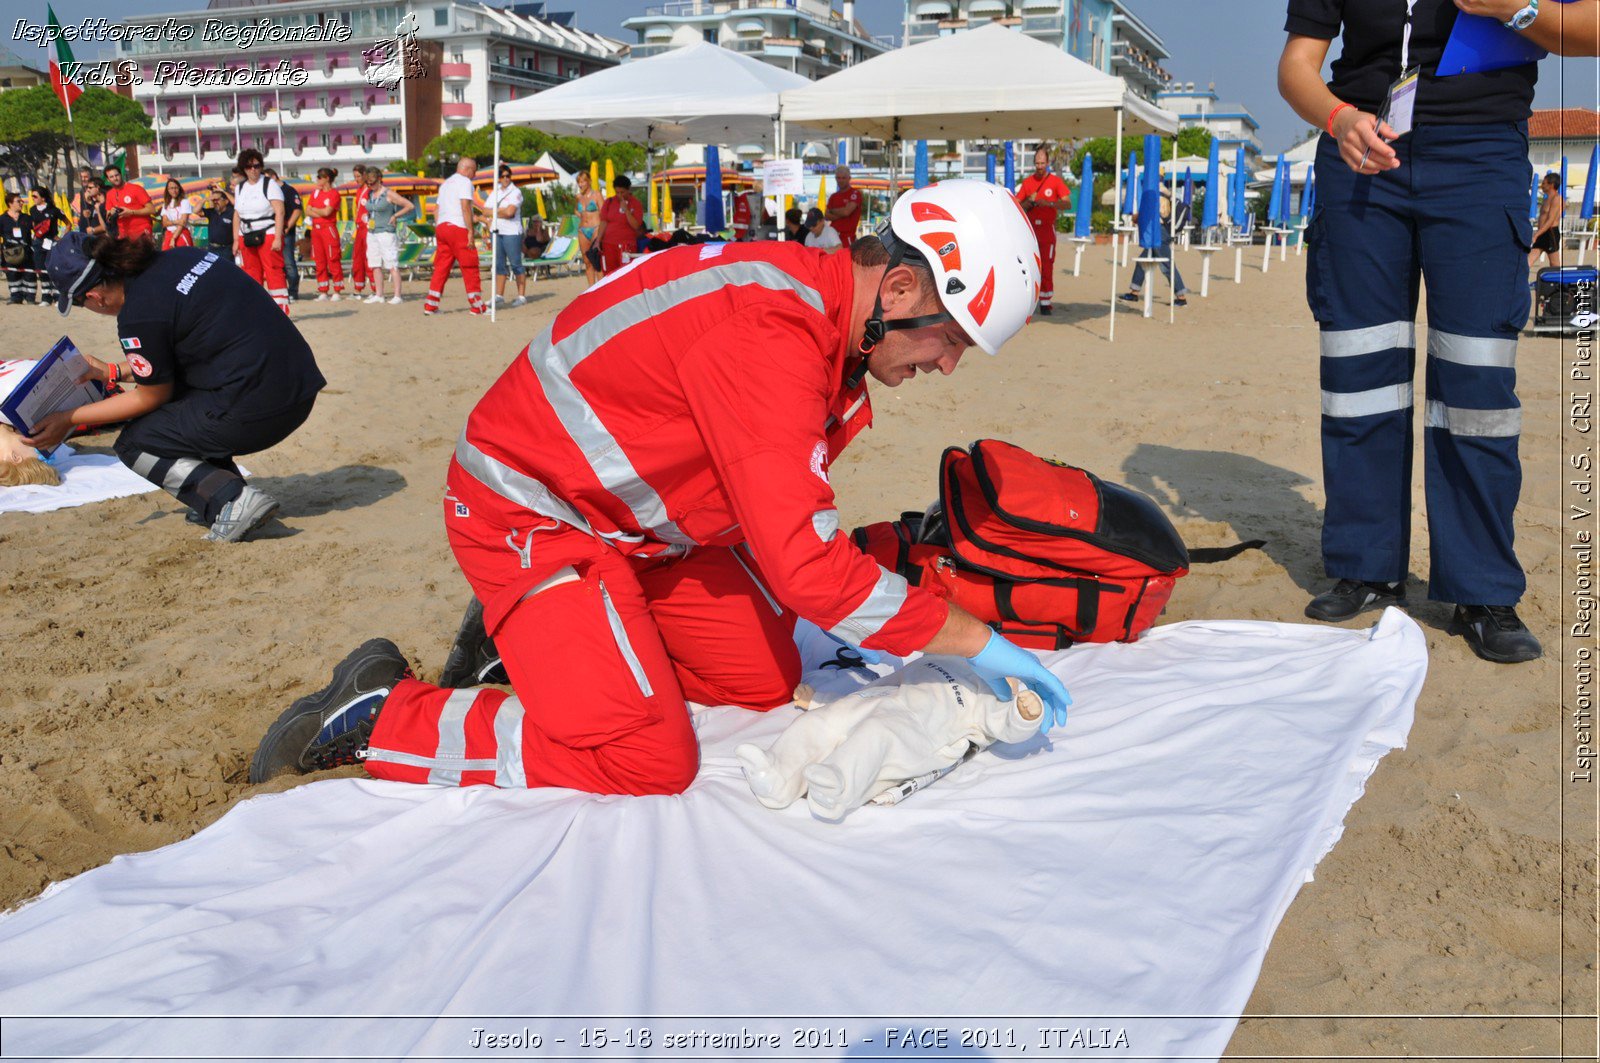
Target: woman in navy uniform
x=221 y=371
x=1446 y=202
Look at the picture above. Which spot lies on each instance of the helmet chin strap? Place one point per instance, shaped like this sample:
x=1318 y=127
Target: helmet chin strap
x=877 y=328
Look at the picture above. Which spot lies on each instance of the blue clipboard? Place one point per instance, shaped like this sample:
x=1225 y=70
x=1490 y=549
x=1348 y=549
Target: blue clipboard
x=9 y=408
x=1479 y=44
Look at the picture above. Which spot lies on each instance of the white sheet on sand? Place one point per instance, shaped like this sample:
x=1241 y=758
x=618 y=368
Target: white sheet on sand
x=85 y=478
x=1121 y=883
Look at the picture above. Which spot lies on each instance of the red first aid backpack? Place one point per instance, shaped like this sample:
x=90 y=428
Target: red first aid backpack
x=1046 y=553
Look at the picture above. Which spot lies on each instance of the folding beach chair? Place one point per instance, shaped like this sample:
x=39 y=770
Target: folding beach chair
x=563 y=251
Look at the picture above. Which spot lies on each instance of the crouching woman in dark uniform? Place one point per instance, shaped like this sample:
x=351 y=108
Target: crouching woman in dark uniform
x=221 y=371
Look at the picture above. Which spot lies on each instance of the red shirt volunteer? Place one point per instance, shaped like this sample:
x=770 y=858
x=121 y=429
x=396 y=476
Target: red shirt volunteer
x=847 y=225
x=741 y=217
x=619 y=489
x=624 y=221
x=129 y=196
x=1050 y=195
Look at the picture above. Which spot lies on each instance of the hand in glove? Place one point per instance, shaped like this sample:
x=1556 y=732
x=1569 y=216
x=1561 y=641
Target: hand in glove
x=1001 y=658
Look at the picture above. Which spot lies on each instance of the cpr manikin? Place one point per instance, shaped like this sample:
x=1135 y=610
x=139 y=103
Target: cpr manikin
x=923 y=718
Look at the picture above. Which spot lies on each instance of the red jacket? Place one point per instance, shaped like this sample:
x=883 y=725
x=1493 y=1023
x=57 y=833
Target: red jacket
x=696 y=397
x=1050 y=194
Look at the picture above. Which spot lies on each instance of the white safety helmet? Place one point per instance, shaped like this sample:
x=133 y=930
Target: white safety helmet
x=981 y=249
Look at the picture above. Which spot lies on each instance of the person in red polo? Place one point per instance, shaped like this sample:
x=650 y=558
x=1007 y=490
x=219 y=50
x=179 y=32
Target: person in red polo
x=741 y=217
x=1042 y=195
x=642 y=506
x=323 y=206
x=844 y=207
x=132 y=205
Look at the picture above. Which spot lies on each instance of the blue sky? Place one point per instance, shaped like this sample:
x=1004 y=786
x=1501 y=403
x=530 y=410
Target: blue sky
x=1234 y=43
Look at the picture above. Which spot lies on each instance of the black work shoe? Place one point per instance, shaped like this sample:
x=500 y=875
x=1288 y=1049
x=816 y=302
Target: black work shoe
x=473 y=660
x=1044 y=311
x=1351 y=597
x=331 y=727
x=1495 y=633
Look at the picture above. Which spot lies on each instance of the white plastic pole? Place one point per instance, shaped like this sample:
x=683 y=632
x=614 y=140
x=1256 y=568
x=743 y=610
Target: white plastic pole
x=1172 y=244
x=1116 y=205
x=494 y=213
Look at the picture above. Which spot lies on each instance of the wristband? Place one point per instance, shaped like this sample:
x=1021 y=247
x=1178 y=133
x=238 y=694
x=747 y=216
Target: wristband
x=1333 y=112
x=112 y=370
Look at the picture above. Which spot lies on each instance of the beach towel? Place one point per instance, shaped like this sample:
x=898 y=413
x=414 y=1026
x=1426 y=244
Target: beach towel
x=1115 y=884
x=85 y=478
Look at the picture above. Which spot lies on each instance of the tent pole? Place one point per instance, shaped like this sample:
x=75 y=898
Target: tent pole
x=494 y=214
x=1172 y=244
x=777 y=204
x=1116 y=204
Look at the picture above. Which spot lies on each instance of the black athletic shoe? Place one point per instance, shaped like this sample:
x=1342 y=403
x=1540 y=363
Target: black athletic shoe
x=473 y=660
x=1044 y=311
x=1351 y=597
x=1495 y=633
x=331 y=727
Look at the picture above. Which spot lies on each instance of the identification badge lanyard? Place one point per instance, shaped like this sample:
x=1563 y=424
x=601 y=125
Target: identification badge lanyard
x=1399 y=104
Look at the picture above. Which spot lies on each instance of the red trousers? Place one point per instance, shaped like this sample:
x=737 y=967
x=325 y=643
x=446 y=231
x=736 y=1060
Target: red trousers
x=1046 y=236
x=325 y=252
x=611 y=253
x=360 y=277
x=176 y=238
x=453 y=244
x=602 y=651
x=265 y=266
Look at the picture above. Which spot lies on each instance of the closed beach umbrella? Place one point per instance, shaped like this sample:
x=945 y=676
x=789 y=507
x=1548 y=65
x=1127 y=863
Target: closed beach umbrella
x=822 y=192
x=1085 y=199
x=1011 y=167
x=652 y=206
x=538 y=203
x=1308 y=195
x=1276 y=203
x=1130 y=185
x=713 y=220
x=1150 y=194
x=1563 y=188
x=843 y=157
x=1238 y=188
x=611 y=177
x=988 y=167
x=920 y=172
x=1586 y=209
x=1533 y=198
x=1213 y=188
x=1188 y=187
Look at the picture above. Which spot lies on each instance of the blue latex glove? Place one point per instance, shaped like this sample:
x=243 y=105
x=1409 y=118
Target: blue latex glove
x=1000 y=658
x=870 y=656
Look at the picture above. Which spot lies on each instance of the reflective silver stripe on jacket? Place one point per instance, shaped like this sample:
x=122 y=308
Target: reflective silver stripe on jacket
x=515 y=486
x=882 y=603
x=1348 y=343
x=411 y=760
x=825 y=522
x=1386 y=399
x=554 y=363
x=1459 y=421
x=508 y=770
x=1489 y=351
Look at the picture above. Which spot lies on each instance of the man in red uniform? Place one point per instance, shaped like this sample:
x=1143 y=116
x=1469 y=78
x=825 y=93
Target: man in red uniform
x=360 y=276
x=642 y=505
x=741 y=217
x=455 y=210
x=844 y=207
x=132 y=206
x=323 y=206
x=1042 y=196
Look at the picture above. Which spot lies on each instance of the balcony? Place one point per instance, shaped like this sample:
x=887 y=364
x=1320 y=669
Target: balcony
x=457 y=112
x=456 y=71
x=1048 y=26
x=521 y=75
x=645 y=51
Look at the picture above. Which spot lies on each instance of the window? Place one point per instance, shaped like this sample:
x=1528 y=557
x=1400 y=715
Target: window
x=458 y=94
x=441 y=16
x=457 y=55
x=710 y=35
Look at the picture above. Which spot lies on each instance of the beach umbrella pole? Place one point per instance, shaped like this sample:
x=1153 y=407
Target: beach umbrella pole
x=1116 y=201
x=494 y=190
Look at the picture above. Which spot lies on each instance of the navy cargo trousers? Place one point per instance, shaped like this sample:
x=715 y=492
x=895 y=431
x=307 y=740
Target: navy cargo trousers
x=1453 y=215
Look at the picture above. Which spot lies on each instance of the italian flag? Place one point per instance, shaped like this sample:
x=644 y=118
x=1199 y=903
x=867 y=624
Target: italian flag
x=65 y=90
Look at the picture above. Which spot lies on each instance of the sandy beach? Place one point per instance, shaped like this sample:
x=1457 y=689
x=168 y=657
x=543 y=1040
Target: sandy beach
x=141 y=665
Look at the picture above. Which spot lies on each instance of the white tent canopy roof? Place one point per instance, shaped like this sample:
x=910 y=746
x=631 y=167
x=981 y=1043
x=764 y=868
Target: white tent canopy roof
x=699 y=92
x=991 y=82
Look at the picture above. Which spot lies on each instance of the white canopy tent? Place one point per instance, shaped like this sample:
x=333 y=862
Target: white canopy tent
x=988 y=83
x=699 y=93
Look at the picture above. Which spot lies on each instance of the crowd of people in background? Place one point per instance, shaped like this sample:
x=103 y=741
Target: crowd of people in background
x=256 y=217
